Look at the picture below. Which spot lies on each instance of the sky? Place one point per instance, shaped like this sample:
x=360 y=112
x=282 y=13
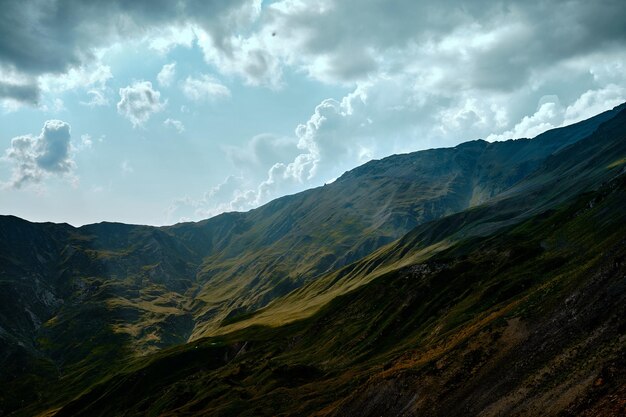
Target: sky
x=161 y=111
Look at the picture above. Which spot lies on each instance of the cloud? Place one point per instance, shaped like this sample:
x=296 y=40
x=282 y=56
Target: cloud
x=94 y=75
x=139 y=101
x=91 y=78
x=495 y=46
x=241 y=37
x=57 y=105
x=261 y=152
x=23 y=93
x=54 y=37
x=592 y=102
x=97 y=99
x=37 y=157
x=551 y=114
x=250 y=58
x=229 y=195
x=17 y=89
x=73 y=30
x=176 y=124
x=485 y=37
x=167 y=74
x=86 y=141
x=204 y=88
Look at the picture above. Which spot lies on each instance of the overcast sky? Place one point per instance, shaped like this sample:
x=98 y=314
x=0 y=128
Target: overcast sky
x=159 y=111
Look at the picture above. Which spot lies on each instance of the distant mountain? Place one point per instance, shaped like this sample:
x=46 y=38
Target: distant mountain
x=406 y=274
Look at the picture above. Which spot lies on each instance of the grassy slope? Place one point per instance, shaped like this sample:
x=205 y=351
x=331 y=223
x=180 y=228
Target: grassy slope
x=527 y=320
x=575 y=169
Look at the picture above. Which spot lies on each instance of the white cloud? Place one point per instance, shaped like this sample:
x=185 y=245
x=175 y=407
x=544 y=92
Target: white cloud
x=97 y=99
x=91 y=78
x=176 y=124
x=204 y=88
x=592 y=102
x=261 y=152
x=252 y=58
x=551 y=114
x=229 y=195
x=86 y=141
x=95 y=75
x=167 y=74
x=139 y=101
x=37 y=157
x=163 y=40
x=56 y=106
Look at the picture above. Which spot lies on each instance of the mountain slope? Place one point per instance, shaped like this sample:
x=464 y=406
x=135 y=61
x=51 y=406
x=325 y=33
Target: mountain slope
x=528 y=320
x=578 y=168
x=81 y=303
x=295 y=239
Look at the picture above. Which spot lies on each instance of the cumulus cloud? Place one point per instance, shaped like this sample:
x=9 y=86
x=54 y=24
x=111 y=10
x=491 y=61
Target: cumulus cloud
x=592 y=102
x=551 y=113
x=167 y=74
x=139 y=101
x=37 y=157
x=204 y=88
x=176 y=124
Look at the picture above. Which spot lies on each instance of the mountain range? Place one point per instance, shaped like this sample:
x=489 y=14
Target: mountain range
x=485 y=279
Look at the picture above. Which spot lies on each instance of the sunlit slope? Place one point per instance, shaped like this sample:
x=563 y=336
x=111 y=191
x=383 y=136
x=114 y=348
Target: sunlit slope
x=581 y=167
x=293 y=240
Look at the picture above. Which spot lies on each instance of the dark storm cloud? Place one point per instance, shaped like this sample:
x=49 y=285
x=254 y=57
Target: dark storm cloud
x=539 y=33
x=25 y=93
x=352 y=37
x=41 y=36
